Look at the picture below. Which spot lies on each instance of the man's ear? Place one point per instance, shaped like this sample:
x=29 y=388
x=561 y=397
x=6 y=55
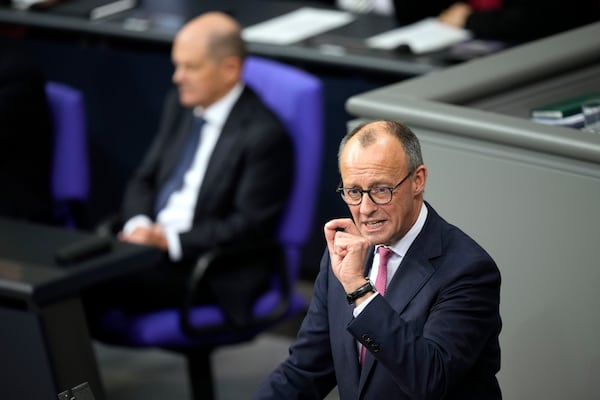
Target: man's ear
x=419 y=179
x=231 y=68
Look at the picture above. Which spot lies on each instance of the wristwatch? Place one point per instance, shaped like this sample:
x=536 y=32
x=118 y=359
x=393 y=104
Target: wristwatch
x=360 y=292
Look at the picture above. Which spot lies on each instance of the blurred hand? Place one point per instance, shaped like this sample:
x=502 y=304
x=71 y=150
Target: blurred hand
x=456 y=15
x=150 y=236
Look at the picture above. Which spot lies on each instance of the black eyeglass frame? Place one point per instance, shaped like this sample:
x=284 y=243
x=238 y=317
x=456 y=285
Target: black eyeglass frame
x=341 y=190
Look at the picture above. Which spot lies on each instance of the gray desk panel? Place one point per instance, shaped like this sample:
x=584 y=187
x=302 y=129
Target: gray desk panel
x=492 y=127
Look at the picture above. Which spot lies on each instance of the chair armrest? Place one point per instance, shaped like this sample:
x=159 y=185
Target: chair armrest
x=237 y=276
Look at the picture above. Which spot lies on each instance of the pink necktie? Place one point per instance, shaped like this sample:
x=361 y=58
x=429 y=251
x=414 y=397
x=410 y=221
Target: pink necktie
x=380 y=282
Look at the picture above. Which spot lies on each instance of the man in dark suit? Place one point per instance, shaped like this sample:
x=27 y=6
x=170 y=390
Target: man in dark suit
x=238 y=179
x=422 y=325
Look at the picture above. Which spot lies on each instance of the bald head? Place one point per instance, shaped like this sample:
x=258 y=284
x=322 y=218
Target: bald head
x=216 y=33
x=367 y=134
x=208 y=55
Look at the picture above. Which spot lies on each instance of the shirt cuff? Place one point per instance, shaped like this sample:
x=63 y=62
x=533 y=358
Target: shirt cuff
x=174 y=244
x=136 y=222
x=357 y=310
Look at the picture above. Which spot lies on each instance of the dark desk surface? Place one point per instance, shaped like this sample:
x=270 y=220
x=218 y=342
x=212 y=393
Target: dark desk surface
x=30 y=272
x=155 y=22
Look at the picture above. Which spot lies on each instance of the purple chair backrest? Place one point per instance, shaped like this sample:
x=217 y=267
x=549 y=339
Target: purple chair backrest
x=296 y=97
x=70 y=169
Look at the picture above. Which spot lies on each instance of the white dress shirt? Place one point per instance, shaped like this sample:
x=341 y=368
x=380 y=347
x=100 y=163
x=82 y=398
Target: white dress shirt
x=178 y=214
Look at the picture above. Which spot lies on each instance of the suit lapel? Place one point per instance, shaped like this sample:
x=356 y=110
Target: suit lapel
x=398 y=296
x=412 y=275
x=172 y=158
x=414 y=272
x=224 y=148
x=219 y=160
x=416 y=268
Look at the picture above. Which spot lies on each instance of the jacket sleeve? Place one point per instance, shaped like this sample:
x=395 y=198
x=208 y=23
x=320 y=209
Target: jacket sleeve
x=308 y=372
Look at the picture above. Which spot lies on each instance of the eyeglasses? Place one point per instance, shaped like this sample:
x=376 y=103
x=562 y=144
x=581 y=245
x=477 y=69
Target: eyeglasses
x=380 y=195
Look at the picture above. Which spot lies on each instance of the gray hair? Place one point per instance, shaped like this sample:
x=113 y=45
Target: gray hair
x=368 y=131
x=226 y=43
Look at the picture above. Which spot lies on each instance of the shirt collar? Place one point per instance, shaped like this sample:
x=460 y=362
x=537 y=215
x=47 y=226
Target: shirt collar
x=218 y=112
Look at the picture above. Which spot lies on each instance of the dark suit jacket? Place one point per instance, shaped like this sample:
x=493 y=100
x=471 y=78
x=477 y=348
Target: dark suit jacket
x=26 y=138
x=433 y=336
x=246 y=184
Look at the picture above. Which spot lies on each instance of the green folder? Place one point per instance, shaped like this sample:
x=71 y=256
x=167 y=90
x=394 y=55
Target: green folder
x=564 y=108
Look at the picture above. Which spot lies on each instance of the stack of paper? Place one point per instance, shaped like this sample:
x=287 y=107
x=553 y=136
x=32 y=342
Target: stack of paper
x=296 y=26
x=421 y=37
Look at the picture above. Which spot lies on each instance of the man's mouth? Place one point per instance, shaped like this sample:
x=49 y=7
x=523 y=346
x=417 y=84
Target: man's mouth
x=373 y=224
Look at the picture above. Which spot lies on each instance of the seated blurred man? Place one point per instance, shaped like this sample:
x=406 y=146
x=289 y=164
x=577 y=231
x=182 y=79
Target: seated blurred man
x=218 y=172
x=26 y=138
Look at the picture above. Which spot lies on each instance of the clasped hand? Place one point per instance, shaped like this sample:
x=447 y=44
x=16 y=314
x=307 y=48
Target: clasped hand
x=348 y=251
x=151 y=236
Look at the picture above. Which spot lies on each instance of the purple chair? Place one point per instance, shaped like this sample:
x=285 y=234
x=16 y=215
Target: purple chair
x=70 y=165
x=195 y=331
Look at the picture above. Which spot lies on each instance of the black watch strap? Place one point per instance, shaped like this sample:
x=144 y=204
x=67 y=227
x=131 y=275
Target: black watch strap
x=360 y=292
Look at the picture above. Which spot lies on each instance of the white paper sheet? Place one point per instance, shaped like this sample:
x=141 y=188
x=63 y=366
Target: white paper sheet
x=296 y=26
x=423 y=36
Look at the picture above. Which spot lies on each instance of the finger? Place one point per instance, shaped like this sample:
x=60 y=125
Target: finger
x=344 y=224
x=329 y=238
x=340 y=224
x=332 y=227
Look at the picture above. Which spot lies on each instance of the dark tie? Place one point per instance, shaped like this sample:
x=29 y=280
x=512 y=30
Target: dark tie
x=380 y=282
x=188 y=153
